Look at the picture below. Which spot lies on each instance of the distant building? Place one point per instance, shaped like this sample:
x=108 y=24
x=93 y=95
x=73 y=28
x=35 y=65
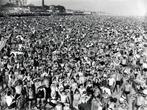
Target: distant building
x=69 y=11
x=87 y=12
x=36 y=9
x=18 y=2
x=56 y=9
x=13 y=8
x=78 y=12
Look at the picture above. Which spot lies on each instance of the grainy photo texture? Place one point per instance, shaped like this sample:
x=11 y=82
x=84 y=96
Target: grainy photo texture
x=73 y=55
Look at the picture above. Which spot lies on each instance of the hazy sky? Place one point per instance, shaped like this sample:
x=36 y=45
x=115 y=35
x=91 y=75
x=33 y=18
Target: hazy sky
x=118 y=7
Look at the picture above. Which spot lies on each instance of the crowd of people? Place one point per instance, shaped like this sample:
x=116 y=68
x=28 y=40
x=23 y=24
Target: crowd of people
x=73 y=63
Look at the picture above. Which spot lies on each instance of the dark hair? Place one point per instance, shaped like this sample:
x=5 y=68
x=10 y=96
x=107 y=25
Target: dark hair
x=76 y=91
x=9 y=93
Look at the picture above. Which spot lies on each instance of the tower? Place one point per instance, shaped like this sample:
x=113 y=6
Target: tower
x=42 y=3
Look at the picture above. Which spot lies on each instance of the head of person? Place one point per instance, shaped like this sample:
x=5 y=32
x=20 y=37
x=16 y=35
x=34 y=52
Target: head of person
x=63 y=92
x=46 y=82
x=96 y=92
x=96 y=80
x=53 y=87
x=81 y=86
x=77 y=91
x=9 y=93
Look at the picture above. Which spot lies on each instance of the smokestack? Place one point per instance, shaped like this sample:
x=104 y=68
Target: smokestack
x=43 y=3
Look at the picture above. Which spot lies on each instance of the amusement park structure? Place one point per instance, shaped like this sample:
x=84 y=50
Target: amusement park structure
x=22 y=7
x=18 y=2
x=22 y=2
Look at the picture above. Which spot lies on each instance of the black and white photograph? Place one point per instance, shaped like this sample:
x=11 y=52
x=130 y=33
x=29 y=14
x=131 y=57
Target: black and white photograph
x=73 y=54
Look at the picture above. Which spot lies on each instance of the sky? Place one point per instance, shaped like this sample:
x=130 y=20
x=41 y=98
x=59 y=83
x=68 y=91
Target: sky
x=115 y=7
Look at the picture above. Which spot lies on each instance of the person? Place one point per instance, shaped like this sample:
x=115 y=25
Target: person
x=76 y=53
x=139 y=101
x=41 y=96
x=119 y=82
x=127 y=89
x=112 y=82
x=31 y=96
x=1 y=81
x=48 y=90
x=96 y=103
x=81 y=89
x=64 y=99
x=85 y=102
x=10 y=100
x=76 y=99
x=18 y=91
x=54 y=96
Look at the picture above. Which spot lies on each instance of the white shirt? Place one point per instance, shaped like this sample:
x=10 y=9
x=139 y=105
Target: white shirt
x=58 y=107
x=66 y=108
x=140 y=101
x=111 y=81
x=82 y=79
x=44 y=74
x=144 y=65
x=80 y=74
x=82 y=90
x=107 y=90
x=18 y=89
x=9 y=100
x=124 y=61
x=63 y=98
x=74 y=86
